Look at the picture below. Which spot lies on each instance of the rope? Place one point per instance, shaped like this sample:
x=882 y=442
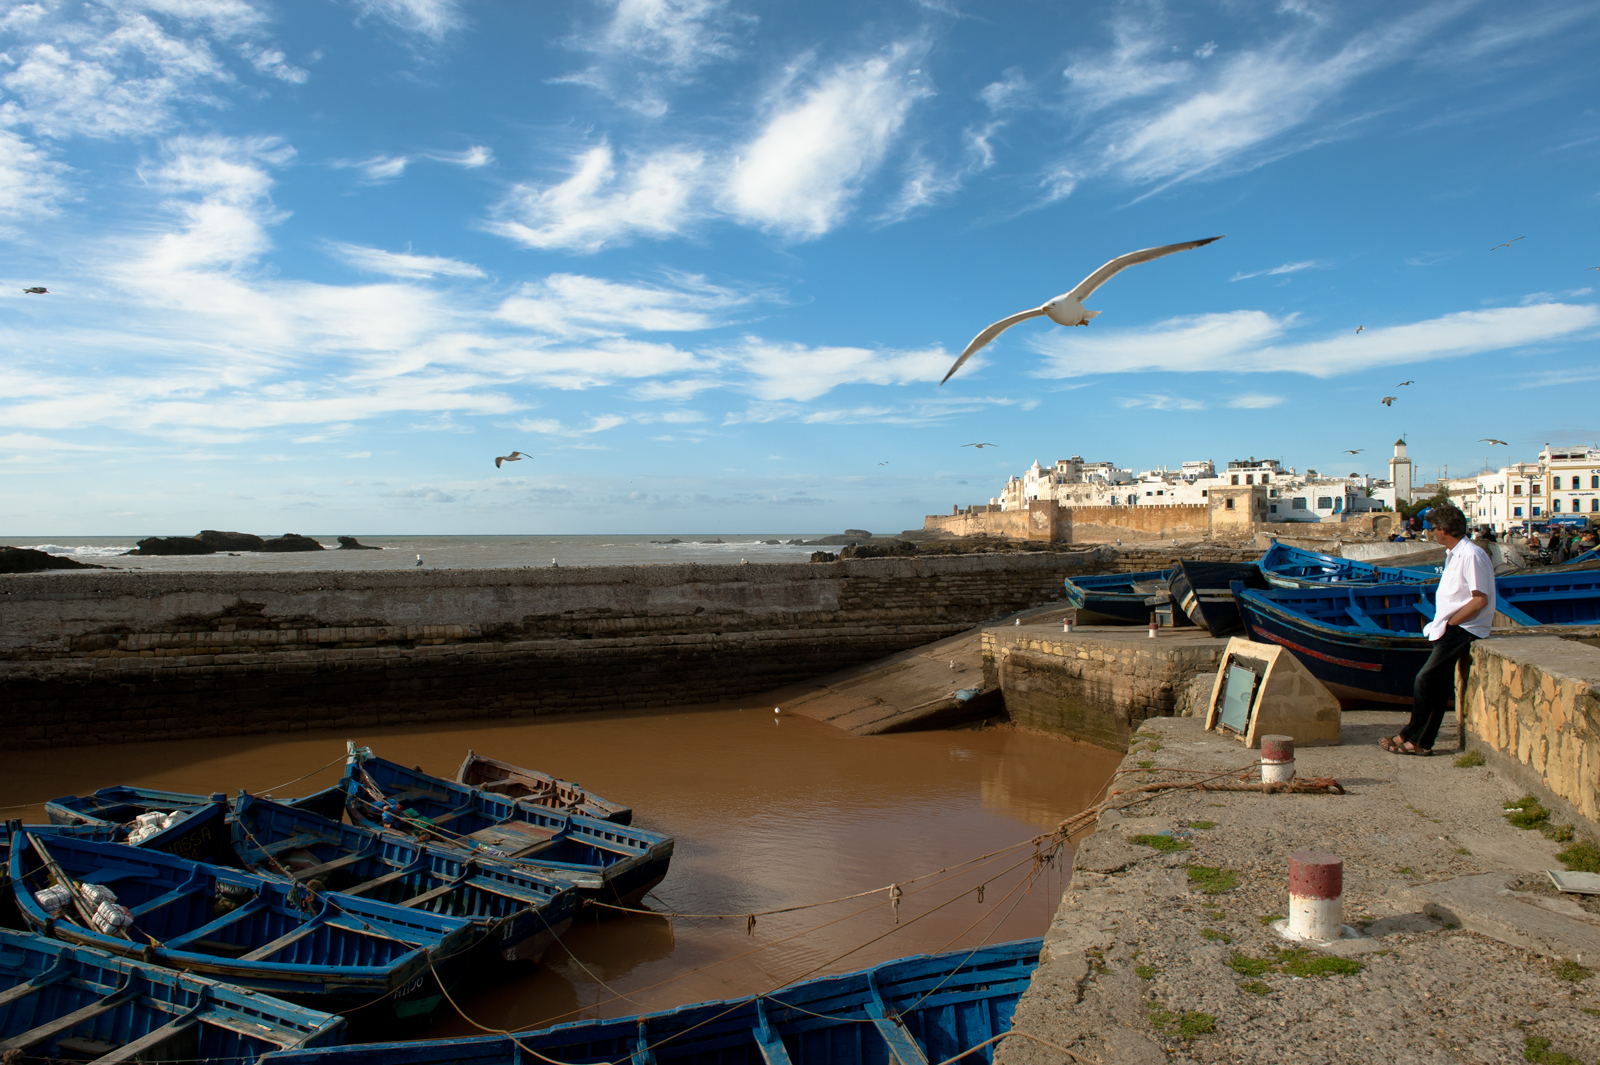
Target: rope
x=296 y=780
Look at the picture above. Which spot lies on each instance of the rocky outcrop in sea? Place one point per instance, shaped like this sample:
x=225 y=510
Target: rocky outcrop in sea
x=27 y=560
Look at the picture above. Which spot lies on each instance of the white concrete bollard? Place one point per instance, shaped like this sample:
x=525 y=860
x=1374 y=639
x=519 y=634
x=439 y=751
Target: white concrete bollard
x=1316 y=896
x=1152 y=625
x=1277 y=759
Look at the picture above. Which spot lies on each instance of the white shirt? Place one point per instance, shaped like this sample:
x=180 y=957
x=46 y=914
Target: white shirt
x=1466 y=570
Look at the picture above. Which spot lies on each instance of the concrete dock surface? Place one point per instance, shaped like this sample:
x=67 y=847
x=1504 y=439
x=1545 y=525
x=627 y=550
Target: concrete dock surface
x=1465 y=951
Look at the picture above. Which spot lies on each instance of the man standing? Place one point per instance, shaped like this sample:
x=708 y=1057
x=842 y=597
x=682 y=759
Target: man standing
x=1463 y=609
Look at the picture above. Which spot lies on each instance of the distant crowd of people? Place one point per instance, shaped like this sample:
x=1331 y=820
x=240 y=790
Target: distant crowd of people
x=1555 y=545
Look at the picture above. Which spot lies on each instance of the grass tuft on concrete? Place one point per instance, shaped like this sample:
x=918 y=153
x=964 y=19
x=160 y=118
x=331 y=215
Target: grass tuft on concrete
x=1296 y=961
x=1582 y=857
x=1529 y=813
x=1215 y=936
x=1164 y=844
x=1470 y=760
x=1268 y=918
x=1209 y=880
x=1256 y=987
x=1203 y=825
x=1567 y=969
x=1145 y=972
x=1536 y=1048
x=1186 y=1025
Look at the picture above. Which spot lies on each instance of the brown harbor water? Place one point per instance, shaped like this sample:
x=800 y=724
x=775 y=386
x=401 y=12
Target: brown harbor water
x=768 y=812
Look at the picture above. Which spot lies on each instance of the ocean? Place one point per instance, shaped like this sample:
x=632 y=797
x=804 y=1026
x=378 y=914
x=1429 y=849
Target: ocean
x=447 y=552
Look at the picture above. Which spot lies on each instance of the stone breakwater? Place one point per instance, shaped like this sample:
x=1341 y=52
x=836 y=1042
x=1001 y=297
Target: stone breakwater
x=109 y=657
x=1161 y=950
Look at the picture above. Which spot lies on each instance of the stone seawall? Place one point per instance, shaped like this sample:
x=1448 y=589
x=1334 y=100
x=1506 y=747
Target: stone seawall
x=103 y=657
x=1534 y=703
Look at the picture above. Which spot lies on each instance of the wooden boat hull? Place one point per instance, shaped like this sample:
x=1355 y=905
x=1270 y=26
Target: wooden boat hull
x=326 y=950
x=519 y=913
x=1553 y=596
x=930 y=1008
x=1356 y=666
x=541 y=789
x=1203 y=592
x=152 y=1012
x=201 y=835
x=1117 y=598
x=606 y=862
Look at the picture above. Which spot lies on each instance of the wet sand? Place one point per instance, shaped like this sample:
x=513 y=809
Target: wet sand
x=767 y=812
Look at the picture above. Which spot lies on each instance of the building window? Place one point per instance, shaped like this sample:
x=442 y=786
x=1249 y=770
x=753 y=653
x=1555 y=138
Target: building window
x=1536 y=512
x=1338 y=504
x=1273 y=508
x=1594 y=505
x=1249 y=478
x=1236 y=478
x=1594 y=481
x=1266 y=478
x=1229 y=504
x=1203 y=493
x=1536 y=489
x=1516 y=512
x=1555 y=506
x=1516 y=489
x=1299 y=502
x=1575 y=480
x=1149 y=493
x=1324 y=502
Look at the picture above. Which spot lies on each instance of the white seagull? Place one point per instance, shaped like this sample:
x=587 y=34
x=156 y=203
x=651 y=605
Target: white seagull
x=1067 y=308
x=515 y=456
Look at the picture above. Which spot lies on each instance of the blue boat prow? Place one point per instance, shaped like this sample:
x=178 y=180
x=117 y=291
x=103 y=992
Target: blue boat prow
x=927 y=1008
x=1292 y=567
x=59 y=1001
x=605 y=861
x=196 y=824
x=1553 y=596
x=518 y=912
x=1117 y=598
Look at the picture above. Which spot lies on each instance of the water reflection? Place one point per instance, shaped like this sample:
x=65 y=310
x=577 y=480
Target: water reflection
x=765 y=819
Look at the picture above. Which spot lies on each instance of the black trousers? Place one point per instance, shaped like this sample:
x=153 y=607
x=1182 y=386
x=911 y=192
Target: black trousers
x=1435 y=688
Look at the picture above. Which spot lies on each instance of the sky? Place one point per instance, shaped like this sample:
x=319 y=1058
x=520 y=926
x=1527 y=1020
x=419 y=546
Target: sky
x=313 y=265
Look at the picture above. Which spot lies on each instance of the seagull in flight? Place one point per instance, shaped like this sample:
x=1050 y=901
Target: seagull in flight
x=1068 y=308
x=1507 y=244
x=1359 y=328
x=980 y=447
x=883 y=463
x=1491 y=440
x=515 y=456
x=1355 y=451
x=1403 y=384
x=1388 y=401
x=37 y=290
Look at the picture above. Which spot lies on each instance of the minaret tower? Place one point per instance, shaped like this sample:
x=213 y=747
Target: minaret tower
x=1400 y=472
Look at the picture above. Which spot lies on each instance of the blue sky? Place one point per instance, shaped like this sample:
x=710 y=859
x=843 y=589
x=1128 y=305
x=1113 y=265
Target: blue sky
x=313 y=265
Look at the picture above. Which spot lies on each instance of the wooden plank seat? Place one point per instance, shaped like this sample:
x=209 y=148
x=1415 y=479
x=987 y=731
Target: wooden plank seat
x=58 y=971
x=295 y=842
x=902 y=1048
x=266 y=951
x=66 y=1023
x=149 y=1041
x=518 y=838
x=330 y=866
x=197 y=938
x=386 y=878
x=429 y=896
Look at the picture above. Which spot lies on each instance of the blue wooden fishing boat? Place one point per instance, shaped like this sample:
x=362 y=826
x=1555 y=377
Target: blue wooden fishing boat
x=190 y=826
x=518 y=911
x=1554 y=596
x=59 y=1001
x=1203 y=591
x=1293 y=567
x=928 y=1008
x=541 y=789
x=1363 y=642
x=607 y=862
x=321 y=949
x=1118 y=598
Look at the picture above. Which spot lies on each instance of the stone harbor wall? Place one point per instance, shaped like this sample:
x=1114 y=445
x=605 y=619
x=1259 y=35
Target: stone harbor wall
x=1096 y=684
x=104 y=657
x=1104 y=525
x=1533 y=702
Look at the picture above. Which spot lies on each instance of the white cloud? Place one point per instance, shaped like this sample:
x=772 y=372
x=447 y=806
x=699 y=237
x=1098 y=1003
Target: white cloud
x=1286 y=268
x=598 y=205
x=924 y=185
x=28 y=442
x=273 y=63
x=397 y=264
x=571 y=305
x=799 y=175
x=468 y=158
x=1161 y=401
x=650 y=47
x=1254 y=401
x=795 y=372
x=555 y=427
x=1243 y=342
x=425 y=18
x=31 y=184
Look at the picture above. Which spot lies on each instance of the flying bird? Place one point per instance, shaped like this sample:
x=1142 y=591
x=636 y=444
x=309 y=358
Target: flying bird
x=980 y=447
x=37 y=290
x=1355 y=451
x=1067 y=308
x=1507 y=244
x=1359 y=328
x=515 y=456
x=1492 y=440
x=883 y=464
x=1403 y=384
x=1388 y=401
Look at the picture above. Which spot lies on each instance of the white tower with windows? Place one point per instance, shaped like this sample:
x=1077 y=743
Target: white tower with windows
x=1400 y=473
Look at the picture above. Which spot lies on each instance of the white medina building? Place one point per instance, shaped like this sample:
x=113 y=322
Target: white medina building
x=1571 y=483
x=1506 y=496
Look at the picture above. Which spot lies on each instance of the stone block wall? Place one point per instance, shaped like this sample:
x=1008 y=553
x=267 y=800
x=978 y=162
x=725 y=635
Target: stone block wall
x=100 y=657
x=1093 y=686
x=1164 y=521
x=1533 y=701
